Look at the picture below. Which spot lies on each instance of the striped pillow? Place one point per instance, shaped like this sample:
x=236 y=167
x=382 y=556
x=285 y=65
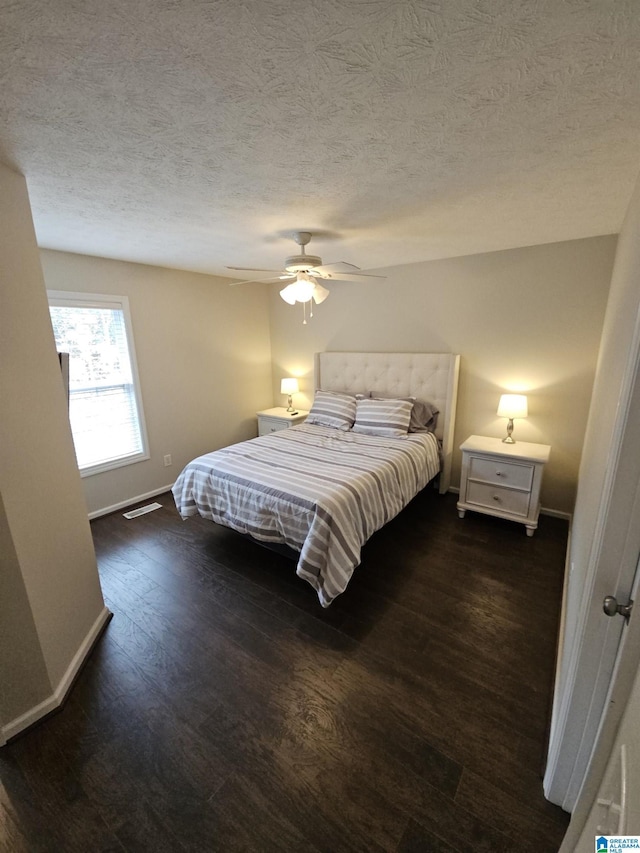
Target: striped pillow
x=332 y=409
x=383 y=417
x=424 y=415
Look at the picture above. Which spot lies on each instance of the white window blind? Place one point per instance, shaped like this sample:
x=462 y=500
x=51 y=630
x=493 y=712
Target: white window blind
x=104 y=402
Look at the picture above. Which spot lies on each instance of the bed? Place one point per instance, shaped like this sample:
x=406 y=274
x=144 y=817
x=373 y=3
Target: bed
x=321 y=490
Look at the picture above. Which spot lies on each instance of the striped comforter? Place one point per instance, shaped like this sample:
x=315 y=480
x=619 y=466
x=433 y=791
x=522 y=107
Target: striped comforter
x=319 y=490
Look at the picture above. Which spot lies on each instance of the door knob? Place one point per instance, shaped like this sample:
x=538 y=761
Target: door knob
x=612 y=608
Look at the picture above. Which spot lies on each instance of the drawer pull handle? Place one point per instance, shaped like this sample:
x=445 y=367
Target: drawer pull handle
x=497 y=498
x=498 y=473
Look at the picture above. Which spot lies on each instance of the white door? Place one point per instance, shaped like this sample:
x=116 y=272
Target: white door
x=605 y=537
x=609 y=802
x=616 y=809
x=590 y=640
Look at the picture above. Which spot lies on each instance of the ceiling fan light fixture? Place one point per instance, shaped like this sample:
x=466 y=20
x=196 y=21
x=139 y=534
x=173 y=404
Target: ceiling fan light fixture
x=306 y=272
x=300 y=290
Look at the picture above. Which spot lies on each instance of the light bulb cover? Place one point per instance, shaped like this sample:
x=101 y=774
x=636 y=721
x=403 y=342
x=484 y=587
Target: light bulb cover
x=320 y=293
x=303 y=289
x=289 y=385
x=288 y=293
x=513 y=406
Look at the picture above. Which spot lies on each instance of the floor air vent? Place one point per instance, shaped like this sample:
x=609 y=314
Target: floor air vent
x=142 y=510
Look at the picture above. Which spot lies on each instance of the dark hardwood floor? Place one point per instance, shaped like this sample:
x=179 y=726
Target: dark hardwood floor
x=224 y=710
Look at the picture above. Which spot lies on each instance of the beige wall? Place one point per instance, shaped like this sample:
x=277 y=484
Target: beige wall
x=204 y=362
x=19 y=644
x=525 y=319
x=47 y=550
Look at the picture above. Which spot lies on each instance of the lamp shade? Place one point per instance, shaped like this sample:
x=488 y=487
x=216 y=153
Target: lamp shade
x=320 y=293
x=289 y=386
x=513 y=406
x=288 y=293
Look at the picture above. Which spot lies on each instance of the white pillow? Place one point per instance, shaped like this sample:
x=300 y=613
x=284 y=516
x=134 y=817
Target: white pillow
x=383 y=417
x=333 y=409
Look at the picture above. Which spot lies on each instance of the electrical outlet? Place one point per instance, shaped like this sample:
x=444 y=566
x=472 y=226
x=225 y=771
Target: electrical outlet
x=167 y=460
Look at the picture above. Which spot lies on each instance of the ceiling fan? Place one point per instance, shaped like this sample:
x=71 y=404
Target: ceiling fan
x=304 y=272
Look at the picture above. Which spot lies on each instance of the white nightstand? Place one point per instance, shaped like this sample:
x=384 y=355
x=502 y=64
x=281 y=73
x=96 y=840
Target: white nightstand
x=502 y=479
x=272 y=420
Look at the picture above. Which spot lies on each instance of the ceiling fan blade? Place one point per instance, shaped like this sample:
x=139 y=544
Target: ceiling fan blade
x=261 y=280
x=299 y=270
x=352 y=276
x=338 y=266
x=252 y=269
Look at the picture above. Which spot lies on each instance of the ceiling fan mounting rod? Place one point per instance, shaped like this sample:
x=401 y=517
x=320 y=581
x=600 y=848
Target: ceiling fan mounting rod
x=302 y=238
x=302 y=262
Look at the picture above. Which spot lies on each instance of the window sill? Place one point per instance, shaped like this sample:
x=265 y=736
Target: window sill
x=114 y=463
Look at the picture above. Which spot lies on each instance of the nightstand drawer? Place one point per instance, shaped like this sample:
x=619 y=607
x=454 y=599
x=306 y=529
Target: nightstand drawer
x=496 y=498
x=515 y=474
x=267 y=425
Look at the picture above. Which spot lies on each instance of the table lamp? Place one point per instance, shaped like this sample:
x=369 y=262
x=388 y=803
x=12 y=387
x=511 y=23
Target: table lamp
x=512 y=406
x=289 y=386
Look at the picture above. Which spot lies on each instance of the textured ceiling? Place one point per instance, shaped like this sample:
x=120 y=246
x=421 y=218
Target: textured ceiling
x=196 y=134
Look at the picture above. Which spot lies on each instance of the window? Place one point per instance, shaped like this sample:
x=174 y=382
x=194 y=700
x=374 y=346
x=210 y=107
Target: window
x=105 y=407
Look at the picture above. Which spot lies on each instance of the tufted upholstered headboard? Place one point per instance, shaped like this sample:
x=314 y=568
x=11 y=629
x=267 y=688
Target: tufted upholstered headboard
x=431 y=376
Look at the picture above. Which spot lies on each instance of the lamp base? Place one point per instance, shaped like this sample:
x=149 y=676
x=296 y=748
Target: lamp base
x=509 y=437
x=289 y=402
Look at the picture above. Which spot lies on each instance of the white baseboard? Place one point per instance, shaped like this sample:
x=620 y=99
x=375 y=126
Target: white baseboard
x=555 y=513
x=128 y=502
x=58 y=696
